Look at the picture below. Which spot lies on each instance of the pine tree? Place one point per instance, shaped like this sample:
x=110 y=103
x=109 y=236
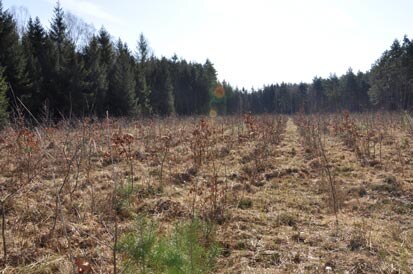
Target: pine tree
x=67 y=74
x=317 y=95
x=181 y=72
x=233 y=99
x=391 y=77
x=333 y=92
x=58 y=34
x=363 y=86
x=349 y=91
x=269 y=98
x=162 y=100
x=54 y=86
x=11 y=54
x=35 y=44
x=106 y=63
x=143 y=91
x=143 y=50
x=208 y=82
x=107 y=52
x=303 y=95
x=121 y=98
x=74 y=83
x=96 y=83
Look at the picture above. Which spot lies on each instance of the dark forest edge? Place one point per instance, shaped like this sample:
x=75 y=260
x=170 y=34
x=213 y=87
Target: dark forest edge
x=51 y=75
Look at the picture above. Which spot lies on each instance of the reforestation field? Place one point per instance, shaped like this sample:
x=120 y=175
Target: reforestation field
x=235 y=194
x=242 y=137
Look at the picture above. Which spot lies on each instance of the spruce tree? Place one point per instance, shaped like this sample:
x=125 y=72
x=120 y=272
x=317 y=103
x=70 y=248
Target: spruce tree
x=143 y=49
x=121 y=98
x=35 y=44
x=349 y=90
x=74 y=83
x=96 y=83
x=107 y=52
x=317 y=95
x=206 y=84
x=182 y=87
x=333 y=93
x=106 y=63
x=162 y=100
x=11 y=54
x=362 y=97
x=142 y=91
x=67 y=75
x=55 y=86
x=391 y=77
x=58 y=34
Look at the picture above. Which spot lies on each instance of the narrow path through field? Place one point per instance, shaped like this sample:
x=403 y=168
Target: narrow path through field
x=290 y=228
x=275 y=234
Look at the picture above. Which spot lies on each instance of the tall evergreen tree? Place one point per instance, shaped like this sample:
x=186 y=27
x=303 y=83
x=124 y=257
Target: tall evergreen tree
x=332 y=91
x=143 y=50
x=143 y=90
x=106 y=62
x=206 y=86
x=11 y=54
x=35 y=44
x=162 y=100
x=66 y=74
x=96 y=79
x=349 y=91
x=269 y=98
x=363 y=87
x=284 y=99
x=58 y=34
x=121 y=98
x=303 y=95
x=317 y=95
x=232 y=98
x=74 y=83
x=55 y=89
x=391 y=77
x=182 y=87
x=106 y=48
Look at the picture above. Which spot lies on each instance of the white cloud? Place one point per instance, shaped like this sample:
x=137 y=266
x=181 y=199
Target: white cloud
x=88 y=9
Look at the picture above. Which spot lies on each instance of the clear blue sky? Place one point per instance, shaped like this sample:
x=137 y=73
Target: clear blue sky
x=251 y=43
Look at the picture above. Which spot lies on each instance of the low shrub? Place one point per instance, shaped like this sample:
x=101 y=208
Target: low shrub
x=189 y=248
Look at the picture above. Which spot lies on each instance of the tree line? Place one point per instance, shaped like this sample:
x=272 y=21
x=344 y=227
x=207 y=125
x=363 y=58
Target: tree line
x=348 y=92
x=70 y=70
x=48 y=73
x=387 y=86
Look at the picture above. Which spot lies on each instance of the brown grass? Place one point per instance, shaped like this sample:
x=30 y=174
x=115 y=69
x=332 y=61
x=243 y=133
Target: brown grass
x=69 y=190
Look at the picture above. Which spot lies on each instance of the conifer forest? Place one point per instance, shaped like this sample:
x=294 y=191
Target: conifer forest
x=115 y=160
